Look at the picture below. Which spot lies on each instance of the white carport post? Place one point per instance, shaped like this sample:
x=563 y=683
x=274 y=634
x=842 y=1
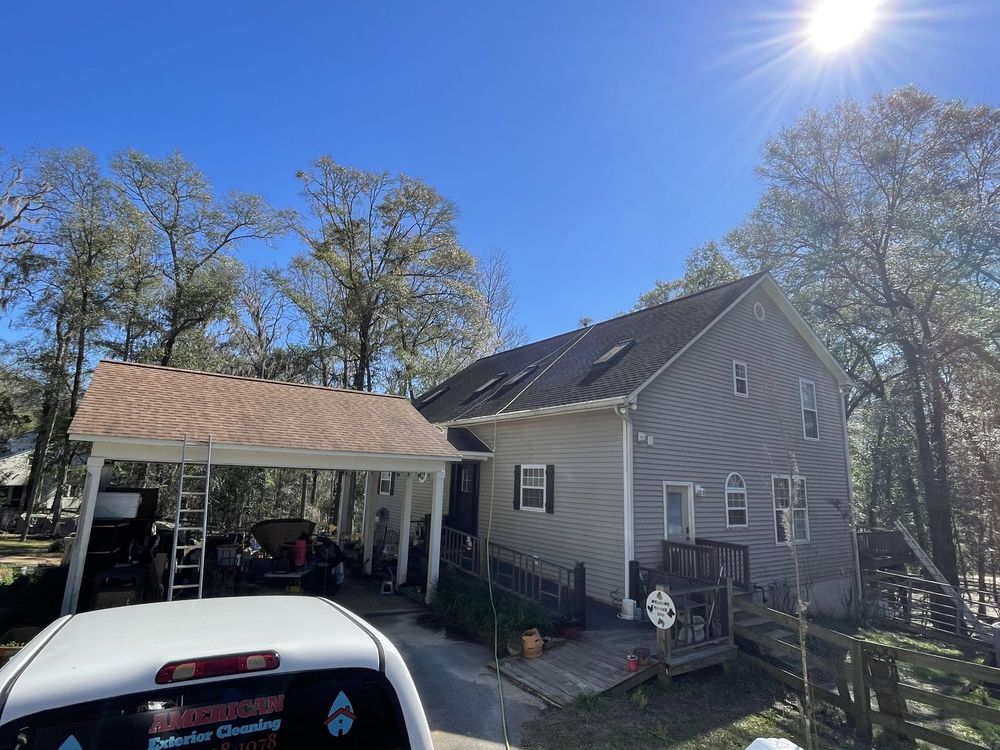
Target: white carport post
x=403 y=556
x=434 y=549
x=74 y=579
x=343 y=519
x=368 y=528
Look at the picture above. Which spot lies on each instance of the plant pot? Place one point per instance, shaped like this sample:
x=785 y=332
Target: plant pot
x=514 y=647
x=531 y=643
x=572 y=629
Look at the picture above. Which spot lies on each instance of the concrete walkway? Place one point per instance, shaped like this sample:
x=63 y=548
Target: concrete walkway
x=458 y=690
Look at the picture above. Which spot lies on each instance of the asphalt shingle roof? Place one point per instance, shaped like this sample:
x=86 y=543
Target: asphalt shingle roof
x=658 y=333
x=146 y=402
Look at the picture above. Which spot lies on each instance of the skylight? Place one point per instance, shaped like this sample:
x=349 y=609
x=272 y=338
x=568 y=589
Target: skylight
x=489 y=383
x=614 y=352
x=434 y=394
x=521 y=375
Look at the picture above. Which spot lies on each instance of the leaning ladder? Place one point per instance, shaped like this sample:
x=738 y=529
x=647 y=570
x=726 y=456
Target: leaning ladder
x=978 y=626
x=190 y=523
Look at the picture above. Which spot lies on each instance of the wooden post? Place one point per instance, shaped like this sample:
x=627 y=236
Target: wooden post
x=662 y=639
x=996 y=643
x=862 y=700
x=580 y=594
x=78 y=555
x=343 y=510
x=403 y=555
x=729 y=612
x=434 y=536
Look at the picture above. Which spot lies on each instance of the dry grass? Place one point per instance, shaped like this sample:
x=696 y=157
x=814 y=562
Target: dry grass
x=706 y=710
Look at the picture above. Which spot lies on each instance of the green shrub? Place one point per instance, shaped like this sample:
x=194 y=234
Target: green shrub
x=465 y=601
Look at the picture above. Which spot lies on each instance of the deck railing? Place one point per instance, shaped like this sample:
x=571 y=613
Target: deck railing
x=707 y=559
x=556 y=587
x=883 y=548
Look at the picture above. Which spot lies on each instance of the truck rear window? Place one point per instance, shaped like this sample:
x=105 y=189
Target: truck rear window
x=342 y=708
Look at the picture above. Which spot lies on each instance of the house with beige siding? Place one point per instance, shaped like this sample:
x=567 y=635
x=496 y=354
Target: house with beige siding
x=713 y=420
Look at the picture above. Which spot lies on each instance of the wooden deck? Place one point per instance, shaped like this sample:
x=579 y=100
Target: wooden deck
x=595 y=664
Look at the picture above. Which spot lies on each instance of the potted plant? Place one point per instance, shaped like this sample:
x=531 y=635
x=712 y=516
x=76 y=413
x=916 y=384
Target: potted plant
x=571 y=627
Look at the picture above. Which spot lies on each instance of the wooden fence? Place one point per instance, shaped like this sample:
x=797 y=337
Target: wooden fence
x=706 y=559
x=555 y=587
x=846 y=671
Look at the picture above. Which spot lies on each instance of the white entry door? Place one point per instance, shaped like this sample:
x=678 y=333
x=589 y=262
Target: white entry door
x=678 y=512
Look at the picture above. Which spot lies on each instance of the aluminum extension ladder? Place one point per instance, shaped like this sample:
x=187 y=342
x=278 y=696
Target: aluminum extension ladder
x=187 y=554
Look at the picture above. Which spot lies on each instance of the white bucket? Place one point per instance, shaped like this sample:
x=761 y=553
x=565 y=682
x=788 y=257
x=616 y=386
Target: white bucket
x=628 y=609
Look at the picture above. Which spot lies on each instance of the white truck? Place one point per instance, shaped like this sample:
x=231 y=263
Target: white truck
x=247 y=673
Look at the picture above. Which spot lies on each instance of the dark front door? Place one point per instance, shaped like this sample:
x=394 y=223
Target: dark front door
x=463 y=502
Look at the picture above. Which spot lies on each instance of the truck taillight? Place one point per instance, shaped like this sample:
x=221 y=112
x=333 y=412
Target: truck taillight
x=217 y=666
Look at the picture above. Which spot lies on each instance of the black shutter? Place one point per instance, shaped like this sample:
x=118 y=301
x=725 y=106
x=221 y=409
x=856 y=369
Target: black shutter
x=517 y=487
x=392 y=483
x=550 y=488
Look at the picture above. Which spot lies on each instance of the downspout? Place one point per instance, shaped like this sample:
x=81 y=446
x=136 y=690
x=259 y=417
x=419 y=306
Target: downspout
x=850 y=496
x=623 y=412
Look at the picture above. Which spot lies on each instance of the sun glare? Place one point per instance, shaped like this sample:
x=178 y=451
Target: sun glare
x=836 y=24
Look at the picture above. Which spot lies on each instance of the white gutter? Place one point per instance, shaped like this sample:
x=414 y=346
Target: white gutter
x=623 y=412
x=236 y=447
x=543 y=411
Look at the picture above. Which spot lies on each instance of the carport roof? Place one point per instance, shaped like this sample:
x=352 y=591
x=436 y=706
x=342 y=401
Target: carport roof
x=151 y=404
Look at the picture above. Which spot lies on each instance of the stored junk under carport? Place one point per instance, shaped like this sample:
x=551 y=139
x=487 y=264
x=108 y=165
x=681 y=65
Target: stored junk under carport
x=148 y=414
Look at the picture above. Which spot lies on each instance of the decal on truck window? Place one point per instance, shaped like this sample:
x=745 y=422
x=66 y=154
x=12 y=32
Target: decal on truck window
x=341 y=717
x=231 y=717
x=341 y=709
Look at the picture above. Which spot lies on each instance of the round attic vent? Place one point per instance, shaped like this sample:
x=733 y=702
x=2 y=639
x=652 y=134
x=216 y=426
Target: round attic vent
x=758 y=311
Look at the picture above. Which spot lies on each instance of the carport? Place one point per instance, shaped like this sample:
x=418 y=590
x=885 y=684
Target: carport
x=146 y=414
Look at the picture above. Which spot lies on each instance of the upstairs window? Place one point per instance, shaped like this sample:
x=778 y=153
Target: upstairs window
x=534 y=487
x=791 y=510
x=736 y=501
x=741 y=384
x=810 y=416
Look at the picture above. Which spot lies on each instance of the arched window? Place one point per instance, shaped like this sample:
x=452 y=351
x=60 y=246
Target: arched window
x=736 y=501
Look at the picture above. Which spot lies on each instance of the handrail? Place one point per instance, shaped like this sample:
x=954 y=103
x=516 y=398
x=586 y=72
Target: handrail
x=706 y=559
x=550 y=584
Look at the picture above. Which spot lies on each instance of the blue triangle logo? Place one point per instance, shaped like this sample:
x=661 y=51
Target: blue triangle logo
x=340 y=719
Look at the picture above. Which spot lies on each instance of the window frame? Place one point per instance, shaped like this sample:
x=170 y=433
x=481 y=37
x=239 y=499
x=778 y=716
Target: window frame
x=746 y=501
x=737 y=378
x=543 y=488
x=814 y=410
x=792 y=479
x=385 y=476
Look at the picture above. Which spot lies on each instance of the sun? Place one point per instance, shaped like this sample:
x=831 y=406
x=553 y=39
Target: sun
x=837 y=24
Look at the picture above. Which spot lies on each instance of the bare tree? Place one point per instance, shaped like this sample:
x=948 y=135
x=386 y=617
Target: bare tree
x=196 y=231
x=500 y=303
x=22 y=199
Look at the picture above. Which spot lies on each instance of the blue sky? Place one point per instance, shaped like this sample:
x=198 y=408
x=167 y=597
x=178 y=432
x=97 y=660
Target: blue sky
x=595 y=142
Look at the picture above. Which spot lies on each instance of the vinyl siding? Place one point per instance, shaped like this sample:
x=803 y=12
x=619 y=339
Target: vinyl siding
x=588 y=522
x=703 y=431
